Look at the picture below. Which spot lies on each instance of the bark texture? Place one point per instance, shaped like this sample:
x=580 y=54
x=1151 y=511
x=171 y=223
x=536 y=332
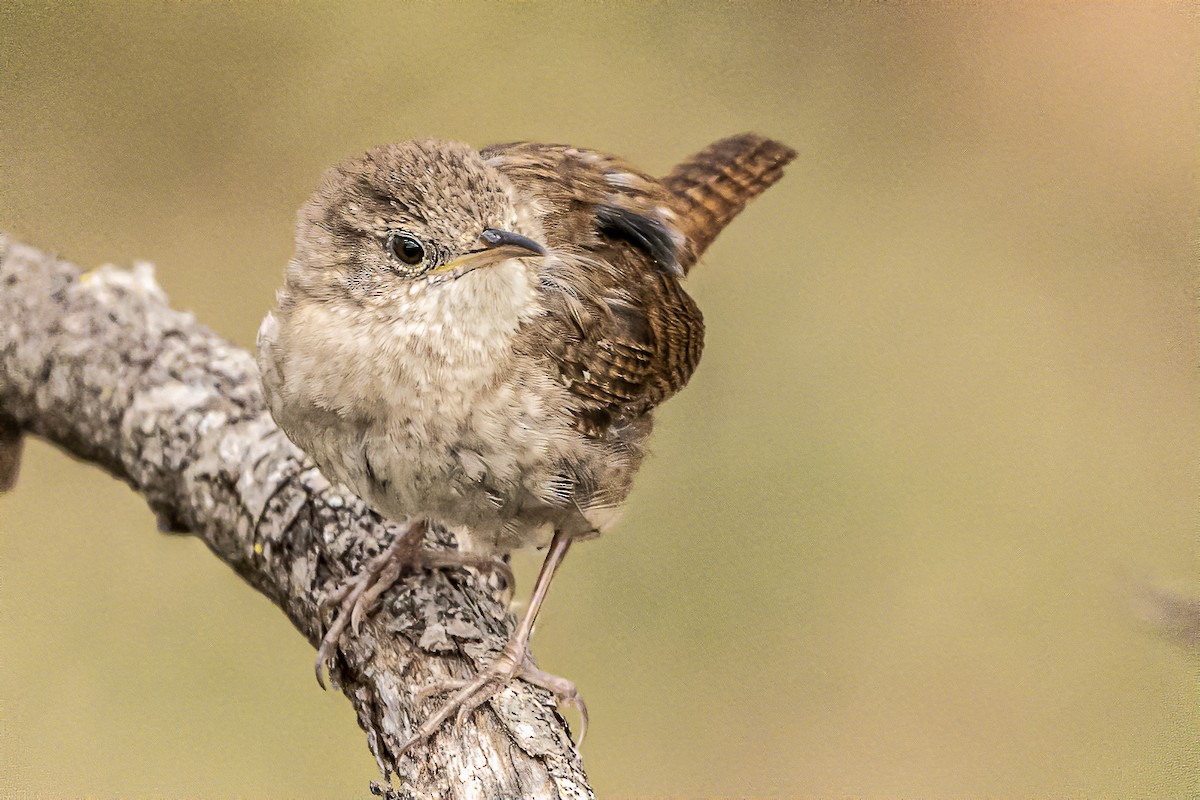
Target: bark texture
x=99 y=364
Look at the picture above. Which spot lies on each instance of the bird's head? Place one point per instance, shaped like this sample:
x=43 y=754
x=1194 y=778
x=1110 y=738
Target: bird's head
x=404 y=217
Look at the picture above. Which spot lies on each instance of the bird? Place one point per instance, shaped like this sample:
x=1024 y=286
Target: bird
x=479 y=338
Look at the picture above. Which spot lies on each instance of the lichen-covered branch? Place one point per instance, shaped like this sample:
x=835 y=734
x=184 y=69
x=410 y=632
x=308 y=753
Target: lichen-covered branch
x=100 y=365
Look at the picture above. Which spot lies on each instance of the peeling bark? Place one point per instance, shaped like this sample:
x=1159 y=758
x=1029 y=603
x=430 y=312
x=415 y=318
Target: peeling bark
x=100 y=365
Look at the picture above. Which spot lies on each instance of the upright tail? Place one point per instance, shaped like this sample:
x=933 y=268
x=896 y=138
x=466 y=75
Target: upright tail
x=713 y=186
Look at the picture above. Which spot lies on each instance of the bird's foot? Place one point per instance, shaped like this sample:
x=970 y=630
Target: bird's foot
x=512 y=662
x=358 y=595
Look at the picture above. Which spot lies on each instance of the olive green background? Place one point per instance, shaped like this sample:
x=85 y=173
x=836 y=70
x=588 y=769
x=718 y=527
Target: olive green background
x=891 y=538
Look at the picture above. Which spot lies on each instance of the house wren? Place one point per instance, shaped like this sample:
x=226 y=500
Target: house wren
x=478 y=338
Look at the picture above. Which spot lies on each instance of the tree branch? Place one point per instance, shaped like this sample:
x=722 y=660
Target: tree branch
x=100 y=365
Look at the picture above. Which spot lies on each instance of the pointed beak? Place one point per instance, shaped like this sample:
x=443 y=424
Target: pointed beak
x=493 y=239
x=492 y=247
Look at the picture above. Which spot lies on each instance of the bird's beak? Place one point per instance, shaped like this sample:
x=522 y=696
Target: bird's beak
x=492 y=247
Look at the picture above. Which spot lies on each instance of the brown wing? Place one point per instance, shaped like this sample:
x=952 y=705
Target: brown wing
x=621 y=330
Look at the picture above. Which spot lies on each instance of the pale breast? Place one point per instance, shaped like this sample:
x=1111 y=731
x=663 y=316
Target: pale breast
x=492 y=460
x=428 y=412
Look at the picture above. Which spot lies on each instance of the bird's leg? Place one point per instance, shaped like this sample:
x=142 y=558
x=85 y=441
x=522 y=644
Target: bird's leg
x=511 y=662
x=357 y=596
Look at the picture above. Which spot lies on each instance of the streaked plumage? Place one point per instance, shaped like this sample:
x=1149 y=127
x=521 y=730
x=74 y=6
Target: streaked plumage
x=480 y=337
x=512 y=398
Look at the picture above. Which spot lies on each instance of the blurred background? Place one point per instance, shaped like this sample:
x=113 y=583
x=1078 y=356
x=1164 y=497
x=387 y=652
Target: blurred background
x=891 y=538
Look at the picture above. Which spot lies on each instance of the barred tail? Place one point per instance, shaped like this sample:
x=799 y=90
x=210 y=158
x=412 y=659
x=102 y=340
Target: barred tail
x=713 y=186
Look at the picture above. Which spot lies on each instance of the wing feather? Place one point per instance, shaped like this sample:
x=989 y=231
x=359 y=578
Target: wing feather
x=620 y=329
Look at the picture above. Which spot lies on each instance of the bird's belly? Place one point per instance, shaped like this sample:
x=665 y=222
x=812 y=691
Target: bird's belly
x=490 y=461
x=491 y=452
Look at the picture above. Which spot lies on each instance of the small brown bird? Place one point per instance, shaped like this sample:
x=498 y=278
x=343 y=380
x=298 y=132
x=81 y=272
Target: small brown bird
x=478 y=338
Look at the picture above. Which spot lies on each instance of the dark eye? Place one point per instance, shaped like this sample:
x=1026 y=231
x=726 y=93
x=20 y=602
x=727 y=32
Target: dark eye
x=405 y=248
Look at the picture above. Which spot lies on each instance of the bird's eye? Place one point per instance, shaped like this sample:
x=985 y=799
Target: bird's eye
x=406 y=248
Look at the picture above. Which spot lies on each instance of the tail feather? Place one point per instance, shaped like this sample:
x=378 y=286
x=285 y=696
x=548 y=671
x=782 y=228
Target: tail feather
x=713 y=186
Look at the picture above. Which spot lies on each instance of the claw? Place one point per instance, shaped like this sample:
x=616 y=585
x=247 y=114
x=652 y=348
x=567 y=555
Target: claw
x=561 y=688
x=370 y=596
x=357 y=597
x=511 y=662
x=327 y=649
x=470 y=695
x=464 y=711
x=348 y=593
x=583 y=719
